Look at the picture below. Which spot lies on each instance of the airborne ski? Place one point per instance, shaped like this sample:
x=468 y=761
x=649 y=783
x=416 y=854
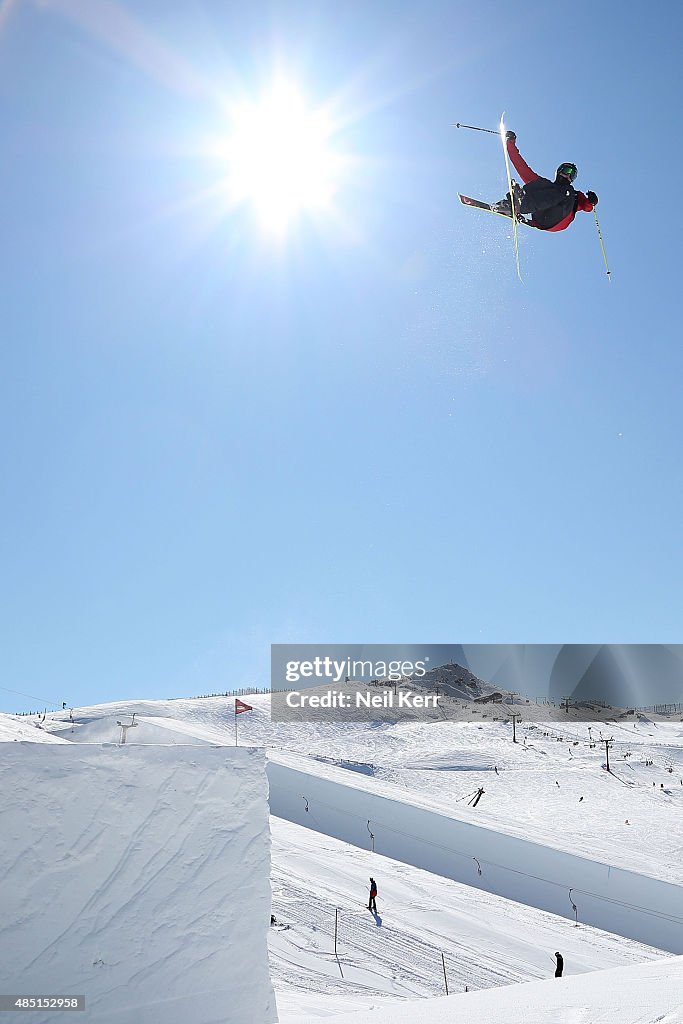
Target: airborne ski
x=478 y=204
x=511 y=191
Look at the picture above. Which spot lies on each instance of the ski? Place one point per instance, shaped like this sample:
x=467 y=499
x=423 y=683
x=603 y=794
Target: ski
x=513 y=218
x=478 y=204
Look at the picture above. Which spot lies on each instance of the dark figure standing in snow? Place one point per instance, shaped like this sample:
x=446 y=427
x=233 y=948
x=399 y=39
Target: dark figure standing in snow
x=560 y=965
x=372 y=905
x=551 y=204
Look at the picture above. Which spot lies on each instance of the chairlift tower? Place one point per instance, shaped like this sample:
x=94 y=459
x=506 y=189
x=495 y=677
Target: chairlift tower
x=608 y=743
x=125 y=727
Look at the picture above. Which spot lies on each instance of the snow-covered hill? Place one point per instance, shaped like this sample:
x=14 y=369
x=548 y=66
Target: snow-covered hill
x=644 y=994
x=14 y=728
x=364 y=812
x=550 y=787
x=486 y=941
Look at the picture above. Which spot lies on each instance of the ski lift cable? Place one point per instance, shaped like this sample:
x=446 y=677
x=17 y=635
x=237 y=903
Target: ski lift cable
x=40 y=700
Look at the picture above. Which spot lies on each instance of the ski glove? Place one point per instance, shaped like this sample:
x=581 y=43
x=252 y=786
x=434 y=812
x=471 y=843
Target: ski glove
x=592 y=198
x=510 y=136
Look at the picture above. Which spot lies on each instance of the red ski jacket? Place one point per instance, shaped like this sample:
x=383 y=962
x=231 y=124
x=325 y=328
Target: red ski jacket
x=527 y=175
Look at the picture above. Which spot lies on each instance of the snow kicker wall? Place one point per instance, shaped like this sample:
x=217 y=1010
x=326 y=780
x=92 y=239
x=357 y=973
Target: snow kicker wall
x=139 y=878
x=607 y=897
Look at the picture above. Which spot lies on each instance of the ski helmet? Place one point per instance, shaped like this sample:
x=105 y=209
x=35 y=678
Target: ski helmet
x=567 y=171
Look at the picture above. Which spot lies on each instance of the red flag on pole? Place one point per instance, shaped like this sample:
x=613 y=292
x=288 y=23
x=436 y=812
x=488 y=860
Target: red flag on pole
x=240 y=706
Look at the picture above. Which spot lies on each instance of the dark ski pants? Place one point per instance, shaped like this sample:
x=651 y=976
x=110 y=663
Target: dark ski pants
x=372 y=905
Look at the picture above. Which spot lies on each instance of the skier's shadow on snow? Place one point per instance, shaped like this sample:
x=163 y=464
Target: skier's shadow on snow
x=378 y=919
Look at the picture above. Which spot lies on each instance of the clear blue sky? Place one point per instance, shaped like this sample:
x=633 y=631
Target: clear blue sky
x=364 y=429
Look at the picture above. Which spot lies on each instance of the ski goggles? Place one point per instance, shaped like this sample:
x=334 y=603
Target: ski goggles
x=568 y=171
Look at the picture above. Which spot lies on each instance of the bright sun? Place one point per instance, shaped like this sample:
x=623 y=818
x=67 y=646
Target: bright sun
x=281 y=158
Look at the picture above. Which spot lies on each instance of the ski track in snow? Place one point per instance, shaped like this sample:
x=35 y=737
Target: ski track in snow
x=487 y=941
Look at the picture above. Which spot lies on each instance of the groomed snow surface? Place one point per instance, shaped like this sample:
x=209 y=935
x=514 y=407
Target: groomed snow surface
x=550 y=789
x=646 y=994
x=137 y=877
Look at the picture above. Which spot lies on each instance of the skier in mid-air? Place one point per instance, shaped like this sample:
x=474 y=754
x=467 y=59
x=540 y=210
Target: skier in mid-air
x=551 y=204
x=372 y=904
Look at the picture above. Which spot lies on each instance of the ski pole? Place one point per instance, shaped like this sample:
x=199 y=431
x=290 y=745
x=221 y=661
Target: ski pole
x=602 y=246
x=472 y=127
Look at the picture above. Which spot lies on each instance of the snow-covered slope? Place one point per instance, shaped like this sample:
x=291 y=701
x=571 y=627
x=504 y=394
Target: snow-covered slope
x=644 y=994
x=550 y=787
x=486 y=941
x=362 y=811
x=16 y=728
x=138 y=877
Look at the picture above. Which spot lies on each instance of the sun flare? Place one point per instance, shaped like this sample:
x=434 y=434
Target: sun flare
x=281 y=158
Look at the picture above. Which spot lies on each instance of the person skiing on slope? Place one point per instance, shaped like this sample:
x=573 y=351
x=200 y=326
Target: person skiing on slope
x=552 y=204
x=560 y=965
x=372 y=905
